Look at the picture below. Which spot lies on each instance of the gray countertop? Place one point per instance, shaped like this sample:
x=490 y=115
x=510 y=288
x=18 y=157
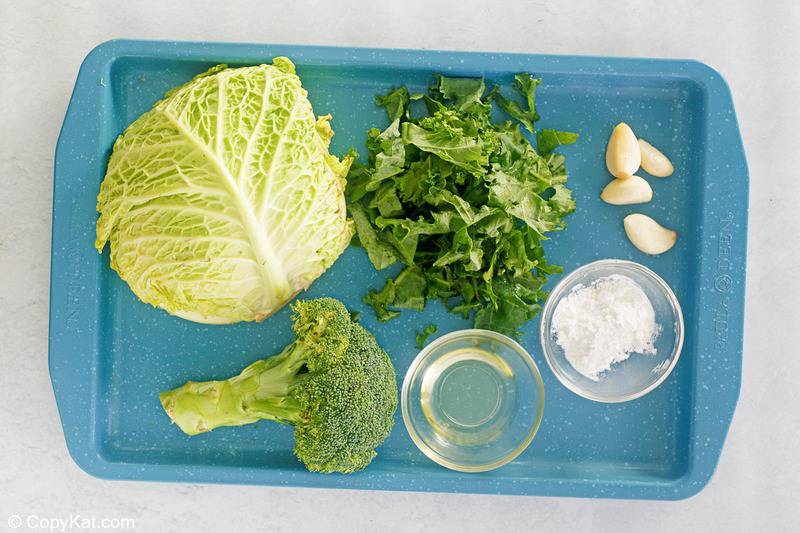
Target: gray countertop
x=755 y=45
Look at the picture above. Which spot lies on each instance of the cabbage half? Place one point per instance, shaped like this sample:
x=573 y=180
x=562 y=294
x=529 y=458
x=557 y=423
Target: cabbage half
x=222 y=201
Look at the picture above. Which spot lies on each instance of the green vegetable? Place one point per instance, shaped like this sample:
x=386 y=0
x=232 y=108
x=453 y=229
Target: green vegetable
x=334 y=384
x=422 y=336
x=462 y=202
x=222 y=202
x=525 y=84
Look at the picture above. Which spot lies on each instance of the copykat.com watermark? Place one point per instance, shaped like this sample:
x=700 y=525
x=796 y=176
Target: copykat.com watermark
x=73 y=522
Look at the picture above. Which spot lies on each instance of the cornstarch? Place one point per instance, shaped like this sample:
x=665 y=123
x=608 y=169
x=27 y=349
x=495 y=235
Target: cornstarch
x=604 y=323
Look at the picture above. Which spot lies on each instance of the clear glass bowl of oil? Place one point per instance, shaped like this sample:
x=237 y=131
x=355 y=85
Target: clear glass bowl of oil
x=472 y=400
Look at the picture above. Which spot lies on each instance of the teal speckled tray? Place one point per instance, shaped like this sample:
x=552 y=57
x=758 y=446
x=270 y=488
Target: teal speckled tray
x=111 y=354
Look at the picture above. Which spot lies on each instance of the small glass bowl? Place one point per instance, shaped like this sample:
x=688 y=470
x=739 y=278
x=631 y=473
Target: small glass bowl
x=640 y=373
x=472 y=400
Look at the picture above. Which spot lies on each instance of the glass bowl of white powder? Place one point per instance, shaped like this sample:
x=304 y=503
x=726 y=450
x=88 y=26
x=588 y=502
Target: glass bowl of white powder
x=612 y=330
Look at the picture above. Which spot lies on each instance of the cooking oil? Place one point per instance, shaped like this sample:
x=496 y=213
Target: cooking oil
x=468 y=396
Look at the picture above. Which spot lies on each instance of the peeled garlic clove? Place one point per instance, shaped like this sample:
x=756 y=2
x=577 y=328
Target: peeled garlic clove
x=648 y=235
x=623 y=155
x=633 y=190
x=653 y=161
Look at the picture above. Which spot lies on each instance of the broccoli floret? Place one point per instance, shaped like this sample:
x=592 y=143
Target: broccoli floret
x=334 y=384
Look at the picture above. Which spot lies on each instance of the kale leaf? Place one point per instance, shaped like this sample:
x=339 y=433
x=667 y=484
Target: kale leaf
x=462 y=202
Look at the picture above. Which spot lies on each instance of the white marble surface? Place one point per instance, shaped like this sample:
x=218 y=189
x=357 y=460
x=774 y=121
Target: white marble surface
x=754 y=44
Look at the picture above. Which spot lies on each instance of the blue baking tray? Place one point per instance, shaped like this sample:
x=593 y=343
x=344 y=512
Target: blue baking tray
x=110 y=354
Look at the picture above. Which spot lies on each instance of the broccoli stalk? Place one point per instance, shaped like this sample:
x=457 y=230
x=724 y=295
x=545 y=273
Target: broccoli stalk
x=334 y=384
x=261 y=391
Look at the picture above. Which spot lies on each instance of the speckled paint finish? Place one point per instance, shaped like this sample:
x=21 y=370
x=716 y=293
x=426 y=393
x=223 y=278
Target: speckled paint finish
x=110 y=354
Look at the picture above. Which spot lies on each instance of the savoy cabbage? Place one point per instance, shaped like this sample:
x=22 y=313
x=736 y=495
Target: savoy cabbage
x=222 y=201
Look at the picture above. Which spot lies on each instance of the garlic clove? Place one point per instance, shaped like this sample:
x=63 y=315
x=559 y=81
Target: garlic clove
x=654 y=162
x=648 y=235
x=623 y=155
x=633 y=190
